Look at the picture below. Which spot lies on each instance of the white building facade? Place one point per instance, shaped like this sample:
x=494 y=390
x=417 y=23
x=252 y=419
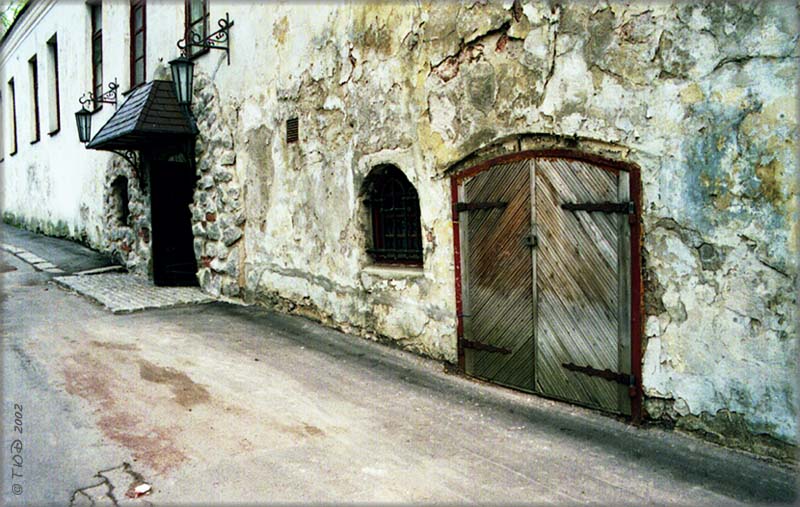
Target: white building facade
x=592 y=202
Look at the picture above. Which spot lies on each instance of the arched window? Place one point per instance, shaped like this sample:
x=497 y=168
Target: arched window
x=119 y=196
x=394 y=212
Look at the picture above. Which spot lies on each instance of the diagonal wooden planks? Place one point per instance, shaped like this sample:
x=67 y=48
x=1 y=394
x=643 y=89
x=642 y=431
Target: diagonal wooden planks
x=568 y=310
x=577 y=282
x=500 y=275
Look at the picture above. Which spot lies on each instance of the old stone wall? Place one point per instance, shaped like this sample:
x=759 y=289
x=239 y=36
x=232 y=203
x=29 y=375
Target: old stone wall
x=127 y=238
x=700 y=97
x=217 y=213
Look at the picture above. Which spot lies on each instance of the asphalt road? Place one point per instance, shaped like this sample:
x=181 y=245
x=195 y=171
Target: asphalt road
x=221 y=403
x=69 y=256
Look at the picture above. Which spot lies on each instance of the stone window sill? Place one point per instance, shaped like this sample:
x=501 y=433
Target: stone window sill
x=394 y=272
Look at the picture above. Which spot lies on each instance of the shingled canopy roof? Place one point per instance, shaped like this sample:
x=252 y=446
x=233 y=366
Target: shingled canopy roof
x=150 y=117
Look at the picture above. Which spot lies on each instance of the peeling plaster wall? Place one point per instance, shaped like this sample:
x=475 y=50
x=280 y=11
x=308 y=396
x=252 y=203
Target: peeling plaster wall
x=701 y=98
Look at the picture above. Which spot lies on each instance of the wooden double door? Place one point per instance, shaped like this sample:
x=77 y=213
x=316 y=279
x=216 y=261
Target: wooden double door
x=545 y=248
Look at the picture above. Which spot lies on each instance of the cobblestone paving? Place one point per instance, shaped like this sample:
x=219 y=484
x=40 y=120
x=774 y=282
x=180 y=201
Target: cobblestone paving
x=122 y=292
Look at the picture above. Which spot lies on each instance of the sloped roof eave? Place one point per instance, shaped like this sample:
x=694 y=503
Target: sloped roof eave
x=149 y=117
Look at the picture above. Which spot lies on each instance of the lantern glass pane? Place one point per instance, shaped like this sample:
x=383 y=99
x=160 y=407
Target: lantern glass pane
x=83 y=118
x=176 y=82
x=182 y=79
x=189 y=83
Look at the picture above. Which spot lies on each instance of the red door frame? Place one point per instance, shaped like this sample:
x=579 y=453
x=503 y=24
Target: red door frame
x=636 y=257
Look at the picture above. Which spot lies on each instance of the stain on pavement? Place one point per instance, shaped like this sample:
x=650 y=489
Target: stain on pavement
x=150 y=443
x=187 y=392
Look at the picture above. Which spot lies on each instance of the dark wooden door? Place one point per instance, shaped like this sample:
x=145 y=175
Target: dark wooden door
x=172 y=189
x=498 y=324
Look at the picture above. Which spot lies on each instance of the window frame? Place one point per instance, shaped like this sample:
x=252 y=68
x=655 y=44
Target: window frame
x=55 y=104
x=33 y=70
x=137 y=4
x=2 y=127
x=395 y=231
x=13 y=92
x=97 y=54
x=189 y=24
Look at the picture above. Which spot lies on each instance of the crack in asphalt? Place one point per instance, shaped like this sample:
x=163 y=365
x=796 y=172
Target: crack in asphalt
x=76 y=497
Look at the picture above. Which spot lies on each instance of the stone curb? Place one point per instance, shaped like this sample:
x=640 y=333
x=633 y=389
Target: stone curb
x=128 y=293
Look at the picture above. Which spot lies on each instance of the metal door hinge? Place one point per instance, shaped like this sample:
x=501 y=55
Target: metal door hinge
x=626 y=208
x=613 y=376
x=471 y=206
x=468 y=344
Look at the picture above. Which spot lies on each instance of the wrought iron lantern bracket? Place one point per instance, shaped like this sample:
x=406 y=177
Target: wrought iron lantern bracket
x=109 y=97
x=132 y=158
x=216 y=40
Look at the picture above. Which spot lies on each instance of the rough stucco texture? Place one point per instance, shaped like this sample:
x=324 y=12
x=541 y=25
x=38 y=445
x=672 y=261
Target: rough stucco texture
x=700 y=97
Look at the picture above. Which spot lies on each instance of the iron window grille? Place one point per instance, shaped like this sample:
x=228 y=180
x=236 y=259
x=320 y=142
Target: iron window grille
x=292 y=130
x=394 y=210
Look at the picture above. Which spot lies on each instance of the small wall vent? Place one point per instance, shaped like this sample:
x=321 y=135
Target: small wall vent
x=292 y=130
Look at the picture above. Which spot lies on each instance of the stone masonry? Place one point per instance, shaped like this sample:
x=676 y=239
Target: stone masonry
x=128 y=242
x=217 y=213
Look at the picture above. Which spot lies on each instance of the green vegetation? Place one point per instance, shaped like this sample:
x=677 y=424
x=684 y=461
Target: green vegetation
x=9 y=9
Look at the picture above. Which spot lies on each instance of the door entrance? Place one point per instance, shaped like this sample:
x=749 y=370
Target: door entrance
x=171 y=191
x=545 y=273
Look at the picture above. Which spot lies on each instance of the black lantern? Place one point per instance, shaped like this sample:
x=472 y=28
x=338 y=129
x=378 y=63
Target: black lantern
x=84 y=120
x=182 y=78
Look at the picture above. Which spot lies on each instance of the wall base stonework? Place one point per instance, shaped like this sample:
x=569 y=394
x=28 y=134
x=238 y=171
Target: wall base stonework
x=726 y=428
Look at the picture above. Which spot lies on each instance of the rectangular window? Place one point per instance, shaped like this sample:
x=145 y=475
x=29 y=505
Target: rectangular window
x=34 y=74
x=54 y=102
x=12 y=97
x=196 y=24
x=97 y=51
x=138 y=34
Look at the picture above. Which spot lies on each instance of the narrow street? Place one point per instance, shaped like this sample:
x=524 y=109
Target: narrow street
x=221 y=403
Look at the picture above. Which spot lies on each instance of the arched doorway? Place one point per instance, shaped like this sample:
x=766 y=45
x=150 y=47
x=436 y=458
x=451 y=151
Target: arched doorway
x=548 y=275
